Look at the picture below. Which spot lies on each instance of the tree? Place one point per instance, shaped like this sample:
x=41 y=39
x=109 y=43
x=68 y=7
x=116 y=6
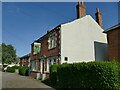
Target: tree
x=8 y=54
x=17 y=59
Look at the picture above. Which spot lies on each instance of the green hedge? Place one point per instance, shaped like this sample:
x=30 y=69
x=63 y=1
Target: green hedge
x=24 y=71
x=53 y=74
x=92 y=75
x=16 y=67
x=12 y=69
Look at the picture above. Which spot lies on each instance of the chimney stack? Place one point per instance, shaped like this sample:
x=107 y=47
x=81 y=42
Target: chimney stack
x=81 y=10
x=98 y=15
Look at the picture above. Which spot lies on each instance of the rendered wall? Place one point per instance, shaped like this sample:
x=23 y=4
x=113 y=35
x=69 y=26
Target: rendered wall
x=77 y=40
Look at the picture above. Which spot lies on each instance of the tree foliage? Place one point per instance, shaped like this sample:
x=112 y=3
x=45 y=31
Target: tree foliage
x=8 y=54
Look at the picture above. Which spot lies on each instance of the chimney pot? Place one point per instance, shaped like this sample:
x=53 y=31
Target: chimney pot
x=82 y=3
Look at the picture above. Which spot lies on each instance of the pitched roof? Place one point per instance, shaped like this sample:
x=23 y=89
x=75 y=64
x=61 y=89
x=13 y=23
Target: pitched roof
x=112 y=28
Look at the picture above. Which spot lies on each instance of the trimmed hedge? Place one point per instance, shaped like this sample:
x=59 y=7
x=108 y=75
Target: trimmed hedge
x=24 y=71
x=91 y=75
x=12 y=69
x=53 y=74
x=16 y=67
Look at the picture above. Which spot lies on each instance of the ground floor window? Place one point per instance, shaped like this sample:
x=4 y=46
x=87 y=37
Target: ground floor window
x=47 y=62
x=34 y=65
x=53 y=60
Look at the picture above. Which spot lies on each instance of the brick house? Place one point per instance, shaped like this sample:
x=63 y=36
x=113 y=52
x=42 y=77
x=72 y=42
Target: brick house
x=25 y=60
x=113 y=42
x=81 y=40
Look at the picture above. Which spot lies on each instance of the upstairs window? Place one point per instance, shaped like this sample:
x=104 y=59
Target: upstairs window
x=52 y=41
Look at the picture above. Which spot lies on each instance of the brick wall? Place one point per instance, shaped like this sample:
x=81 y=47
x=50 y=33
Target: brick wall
x=24 y=61
x=114 y=44
x=20 y=63
x=45 y=51
x=44 y=47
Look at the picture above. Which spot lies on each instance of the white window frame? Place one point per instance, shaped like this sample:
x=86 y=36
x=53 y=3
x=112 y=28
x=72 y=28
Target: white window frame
x=52 y=41
x=34 y=65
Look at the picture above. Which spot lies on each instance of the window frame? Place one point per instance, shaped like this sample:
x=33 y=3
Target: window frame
x=52 y=41
x=34 y=65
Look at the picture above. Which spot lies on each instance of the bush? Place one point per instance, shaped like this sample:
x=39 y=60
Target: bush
x=24 y=71
x=53 y=74
x=92 y=75
x=16 y=67
x=12 y=69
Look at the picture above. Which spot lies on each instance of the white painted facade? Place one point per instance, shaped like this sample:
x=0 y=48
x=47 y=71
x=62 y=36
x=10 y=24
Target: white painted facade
x=83 y=40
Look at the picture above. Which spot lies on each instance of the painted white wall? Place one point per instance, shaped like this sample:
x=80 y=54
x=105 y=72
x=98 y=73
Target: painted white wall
x=77 y=40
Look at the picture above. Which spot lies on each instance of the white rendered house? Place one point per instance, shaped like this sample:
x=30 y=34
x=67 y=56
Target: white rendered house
x=81 y=40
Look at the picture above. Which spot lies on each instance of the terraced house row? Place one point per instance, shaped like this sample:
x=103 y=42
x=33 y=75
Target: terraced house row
x=81 y=40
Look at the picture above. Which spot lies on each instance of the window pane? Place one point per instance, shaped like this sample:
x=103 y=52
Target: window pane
x=52 y=41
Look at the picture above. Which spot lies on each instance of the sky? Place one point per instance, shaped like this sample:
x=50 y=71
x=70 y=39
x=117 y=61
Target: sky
x=25 y=22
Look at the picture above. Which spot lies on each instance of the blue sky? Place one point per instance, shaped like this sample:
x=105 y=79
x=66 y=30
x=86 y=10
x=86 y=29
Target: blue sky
x=24 y=22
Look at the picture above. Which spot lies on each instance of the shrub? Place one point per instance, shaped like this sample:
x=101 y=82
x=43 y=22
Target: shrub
x=16 y=67
x=53 y=74
x=24 y=70
x=12 y=69
x=92 y=75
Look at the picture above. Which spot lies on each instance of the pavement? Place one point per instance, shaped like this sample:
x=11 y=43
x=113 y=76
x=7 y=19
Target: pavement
x=13 y=80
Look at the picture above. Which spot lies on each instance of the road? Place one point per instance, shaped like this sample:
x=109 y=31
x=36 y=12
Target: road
x=13 y=80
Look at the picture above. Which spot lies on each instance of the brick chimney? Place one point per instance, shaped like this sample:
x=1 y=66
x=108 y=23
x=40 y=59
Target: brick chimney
x=81 y=10
x=98 y=15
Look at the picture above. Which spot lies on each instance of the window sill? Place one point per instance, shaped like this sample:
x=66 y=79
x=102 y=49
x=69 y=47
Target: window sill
x=46 y=71
x=51 y=48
